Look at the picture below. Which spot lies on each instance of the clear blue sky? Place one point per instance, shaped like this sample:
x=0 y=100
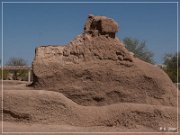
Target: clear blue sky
x=27 y=26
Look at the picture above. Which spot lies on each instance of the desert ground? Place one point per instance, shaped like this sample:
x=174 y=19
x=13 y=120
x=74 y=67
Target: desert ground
x=46 y=107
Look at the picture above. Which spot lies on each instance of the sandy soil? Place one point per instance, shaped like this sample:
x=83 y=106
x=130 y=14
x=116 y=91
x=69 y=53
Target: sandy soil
x=27 y=110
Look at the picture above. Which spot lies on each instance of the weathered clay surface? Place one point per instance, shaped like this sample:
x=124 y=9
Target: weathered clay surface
x=101 y=25
x=96 y=69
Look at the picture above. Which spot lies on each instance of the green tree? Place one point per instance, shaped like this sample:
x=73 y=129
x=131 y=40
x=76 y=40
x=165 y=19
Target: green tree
x=3 y=73
x=172 y=63
x=139 y=49
x=15 y=61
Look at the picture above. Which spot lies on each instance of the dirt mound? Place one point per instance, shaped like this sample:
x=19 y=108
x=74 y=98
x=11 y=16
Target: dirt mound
x=47 y=107
x=96 y=69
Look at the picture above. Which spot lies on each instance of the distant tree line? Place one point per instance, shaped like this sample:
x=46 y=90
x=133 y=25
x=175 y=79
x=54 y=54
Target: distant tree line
x=15 y=74
x=141 y=51
x=172 y=63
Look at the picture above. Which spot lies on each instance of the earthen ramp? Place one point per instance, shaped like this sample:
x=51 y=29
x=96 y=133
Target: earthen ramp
x=47 y=107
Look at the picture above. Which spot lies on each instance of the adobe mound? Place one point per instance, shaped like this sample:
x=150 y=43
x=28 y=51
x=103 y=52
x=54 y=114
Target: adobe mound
x=50 y=107
x=96 y=69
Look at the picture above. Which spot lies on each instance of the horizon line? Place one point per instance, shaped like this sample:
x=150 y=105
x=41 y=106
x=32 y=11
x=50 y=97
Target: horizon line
x=83 y=2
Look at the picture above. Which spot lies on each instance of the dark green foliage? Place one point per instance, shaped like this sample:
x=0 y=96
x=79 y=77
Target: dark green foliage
x=170 y=60
x=139 y=49
x=5 y=74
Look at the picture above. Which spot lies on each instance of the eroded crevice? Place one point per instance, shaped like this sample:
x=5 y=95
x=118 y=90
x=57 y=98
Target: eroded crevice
x=17 y=115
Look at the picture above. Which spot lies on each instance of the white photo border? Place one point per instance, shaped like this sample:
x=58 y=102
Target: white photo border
x=81 y=2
